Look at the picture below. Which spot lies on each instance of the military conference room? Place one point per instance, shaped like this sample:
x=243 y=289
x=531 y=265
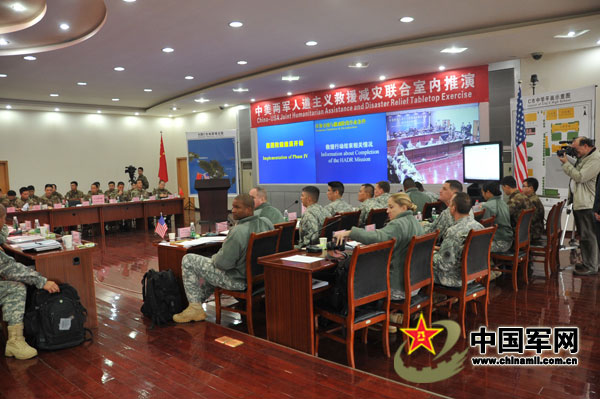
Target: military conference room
x=318 y=199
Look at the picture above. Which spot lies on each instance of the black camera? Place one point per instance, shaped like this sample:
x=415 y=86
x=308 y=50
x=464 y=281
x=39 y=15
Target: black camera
x=130 y=170
x=566 y=149
x=332 y=246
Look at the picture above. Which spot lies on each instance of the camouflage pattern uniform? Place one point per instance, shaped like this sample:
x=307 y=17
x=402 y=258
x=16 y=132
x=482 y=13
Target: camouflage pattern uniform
x=9 y=202
x=446 y=261
x=124 y=197
x=365 y=208
x=161 y=192
x=3 y=234
x=503 y=238
x=90 y=192
x=227 y=268
x=144 y=179
x=20 y=203
x=443 y=223
x=517 y=202
x=138 y=193
x=57 y=197
x=268 y=211
x=13 y=276
x=74 y=195
x=382 y=200
x=537 y=222
x=338 y=206
x=35 y=200
x=48 y=201
x=418 y=198
x=310 y=225
x=432 y=196
x=88 y=196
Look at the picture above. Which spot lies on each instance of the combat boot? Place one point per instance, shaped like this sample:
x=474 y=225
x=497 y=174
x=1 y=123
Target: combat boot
x=16 y=345
x=193 y=312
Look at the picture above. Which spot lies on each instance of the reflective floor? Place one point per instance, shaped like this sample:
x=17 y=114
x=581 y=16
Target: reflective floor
x=110 y=367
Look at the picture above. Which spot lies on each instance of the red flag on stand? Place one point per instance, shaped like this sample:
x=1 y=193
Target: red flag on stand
x=162 y=167
x=198 y=176
x=180 y=192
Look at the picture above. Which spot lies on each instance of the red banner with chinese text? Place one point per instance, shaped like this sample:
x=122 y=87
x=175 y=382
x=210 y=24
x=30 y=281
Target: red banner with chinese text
x=459 y=86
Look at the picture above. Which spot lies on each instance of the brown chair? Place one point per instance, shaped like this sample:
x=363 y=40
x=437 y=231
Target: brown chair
x=417 y=274
x=428 y=208
x=479 y=215
x=286 y=242
x=349 y=219
x=543 y=250
x=260 y=244
x=475 y=273
x=519 y=254
x=558 y=230
x=489 y=222
x=378 y=217
x=330 y=225
x=368 y=298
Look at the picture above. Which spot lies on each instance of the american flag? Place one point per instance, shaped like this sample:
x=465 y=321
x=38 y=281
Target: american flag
x=161 y=227
x=520 y=163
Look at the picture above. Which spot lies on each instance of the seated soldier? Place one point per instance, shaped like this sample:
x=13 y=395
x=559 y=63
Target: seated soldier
x=138 y=191
x=58 y=196
x=13 y=276
x=445 y=219
x=10 y=199
x=417 y=197
x=227 y=268
x=313 y=218
x=447 y=257
x=530 y=186
x=517 y=201
x=365 y=197
x=432 y=196
x=262 y=208
x=23 y=202
x=34 y=198
x=335 y=191
x=94 y=190
x=161 y=191
x=74 y=193
x=111 y=190
x=48 y=198
x=382 y=193
x=494 y=205
x=121 y=195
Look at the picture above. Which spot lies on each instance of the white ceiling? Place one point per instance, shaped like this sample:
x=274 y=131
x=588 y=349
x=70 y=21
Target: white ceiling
x=272 y=42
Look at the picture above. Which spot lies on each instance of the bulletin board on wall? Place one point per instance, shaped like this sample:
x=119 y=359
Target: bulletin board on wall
x=549 y=119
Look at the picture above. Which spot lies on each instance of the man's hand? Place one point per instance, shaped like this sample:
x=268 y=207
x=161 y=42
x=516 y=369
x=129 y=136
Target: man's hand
x=51 y=287
x=597 y=217
x=340 y=236
x=563 y=159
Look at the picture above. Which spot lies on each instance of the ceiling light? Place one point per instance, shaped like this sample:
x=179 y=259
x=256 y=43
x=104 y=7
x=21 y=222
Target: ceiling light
x=3 y=75
x=406 y=19
x=56 y=109
x=64 y=26
x=119 y=69
x=189 y=77
x=331 y=85
x=226 y=105
x=236 y=24
x=54 y=95
x=359 y=65
x=8 y=107
x=381 y=77
x=98 y=112
x=174 y=108
x=194 y=111
x=598 y=42
x=289 y=93
x=442 y=68
x=147 y=90
x=253 y=99
x=572 y=34
x=242 y=62
x=170 y=115
x=3 y=41
x=453 y=50
x=116 y=99
x=29 y=58
x=168 y=50
x=129 y=1
x=240 y=90
x=18 y=7
x=311 y=43
x=81 y=84
x=202 y=100
x=137 y=113
x=290 y=78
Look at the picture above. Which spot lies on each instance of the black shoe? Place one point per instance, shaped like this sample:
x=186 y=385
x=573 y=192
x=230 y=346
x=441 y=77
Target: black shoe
x=585 y=272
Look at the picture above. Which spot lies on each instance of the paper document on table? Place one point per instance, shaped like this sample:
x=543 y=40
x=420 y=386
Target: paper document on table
x=302 y=259
x=202 y=240
x=25 y=238
x=352 y=244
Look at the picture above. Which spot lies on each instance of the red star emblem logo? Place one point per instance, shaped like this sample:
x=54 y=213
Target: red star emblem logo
x=421 y=336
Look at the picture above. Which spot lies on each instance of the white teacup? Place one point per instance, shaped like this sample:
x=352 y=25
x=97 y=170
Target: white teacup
x=68 y=241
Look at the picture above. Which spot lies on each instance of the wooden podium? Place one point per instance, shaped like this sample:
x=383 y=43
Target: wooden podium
x=212 y=199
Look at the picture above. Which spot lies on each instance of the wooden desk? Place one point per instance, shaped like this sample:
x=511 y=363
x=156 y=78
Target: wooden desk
x=72 y=266
x=289 y=299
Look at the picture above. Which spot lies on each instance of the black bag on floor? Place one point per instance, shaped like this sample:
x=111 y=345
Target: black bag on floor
x=55 y=321
x=162 y=296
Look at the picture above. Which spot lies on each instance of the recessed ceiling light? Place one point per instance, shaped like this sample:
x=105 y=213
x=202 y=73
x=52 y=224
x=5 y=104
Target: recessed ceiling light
x=8 y=107
x=3 y=75
x=406 y=19
x=168 y=50
x=359 y=65
x=64 y=26
x=236 y=24
x=226 y=105
x=453 y=50
x=290 y=78
x=331 y=85
x=194 y=111
x=137 y=113
x=253 y=99
x=174 y=108
x=119 y=69
x=29 y=58
x=129 y=1
x=381 y=77
x=242 y=62
x=3 y=41
x=572 y=34
x=18 y=7
x=442 y=68
x=116 y=99
x=202 y=100
x=54 y=95
x=189 y=77
x=56 y=109
x=311 y=43
x=98 y=112
x=289 y=93
x=81 y=84
x=147 y=90
x=240 y=90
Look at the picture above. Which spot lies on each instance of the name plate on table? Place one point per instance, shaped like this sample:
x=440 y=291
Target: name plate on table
x=84 y=203
x=221 y=226
x=76 y=237
x=370 y=227
x=152 y=197
x=112 y=201
x=97 y=199
x=135 y=199
x=28 y=225
x=171 y=196
x=36 y=208
x=58 y=206
x=292 y=216
x=183 y=232
x=10 y=209
x=46 y=225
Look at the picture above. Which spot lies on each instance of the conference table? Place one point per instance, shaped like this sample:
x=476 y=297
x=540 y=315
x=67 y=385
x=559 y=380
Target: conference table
x=103 y=213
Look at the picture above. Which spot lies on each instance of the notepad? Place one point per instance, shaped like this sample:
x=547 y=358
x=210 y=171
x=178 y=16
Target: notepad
x=231 y=342
x=301 y=259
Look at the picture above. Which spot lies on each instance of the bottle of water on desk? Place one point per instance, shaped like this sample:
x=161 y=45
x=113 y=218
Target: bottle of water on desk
x=36 y=225
x=15 y=223
x=433 y=214
x=286 y=216
x=192 y=230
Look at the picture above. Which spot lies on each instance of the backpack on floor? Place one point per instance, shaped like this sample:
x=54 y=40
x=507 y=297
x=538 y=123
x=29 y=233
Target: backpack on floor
x=162 y=296
x=55 y=321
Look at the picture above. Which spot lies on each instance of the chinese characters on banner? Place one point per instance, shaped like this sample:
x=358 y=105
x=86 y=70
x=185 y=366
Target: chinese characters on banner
x=459 y=86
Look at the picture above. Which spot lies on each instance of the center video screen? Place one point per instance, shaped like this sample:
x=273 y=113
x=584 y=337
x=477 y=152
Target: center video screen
x=424 y=144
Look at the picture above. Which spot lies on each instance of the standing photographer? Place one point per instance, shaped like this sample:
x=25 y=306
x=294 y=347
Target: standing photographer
x=582 y=192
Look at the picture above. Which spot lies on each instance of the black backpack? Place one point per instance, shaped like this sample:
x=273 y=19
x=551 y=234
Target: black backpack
x=55 y=321
x=162 y=296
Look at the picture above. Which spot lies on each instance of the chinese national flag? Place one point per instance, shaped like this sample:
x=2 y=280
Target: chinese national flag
x=162 y=167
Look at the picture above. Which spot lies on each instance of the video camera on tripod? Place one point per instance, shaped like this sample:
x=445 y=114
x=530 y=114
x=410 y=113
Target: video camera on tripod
x=130 y=170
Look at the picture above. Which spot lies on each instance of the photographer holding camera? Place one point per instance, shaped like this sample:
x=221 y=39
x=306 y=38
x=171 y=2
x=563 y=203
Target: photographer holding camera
x=582 y=193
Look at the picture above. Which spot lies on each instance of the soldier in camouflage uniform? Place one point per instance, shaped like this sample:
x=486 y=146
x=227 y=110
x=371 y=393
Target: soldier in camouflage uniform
x=74 y=193
x=445 y=219
x=138 y=191
x=365 y=197
x=432 y=196
x=35 y=200
x=121 y=194
x=313 y=219
x=144 y=179
x=48 y=198
x=417 y=197
x=335 y=191
x=10 y=199
x=94 y=190
x=112 y=191
x=262 y=208
x=24 y=199
x=517 y=201
x=13 y=276
x=530 y=186
x=58 y=197
x=494 y=205
x=447 y=259
x=227 y=268
x=161 y=191
x=3 y=234
x=382 y=193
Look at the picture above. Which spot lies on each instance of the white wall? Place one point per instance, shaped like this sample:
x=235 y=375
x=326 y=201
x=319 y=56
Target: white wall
x=562 y=71
x=57 y=147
